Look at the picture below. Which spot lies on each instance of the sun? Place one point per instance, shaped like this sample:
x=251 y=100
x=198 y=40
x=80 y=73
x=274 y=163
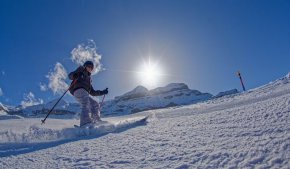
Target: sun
x=150 y=73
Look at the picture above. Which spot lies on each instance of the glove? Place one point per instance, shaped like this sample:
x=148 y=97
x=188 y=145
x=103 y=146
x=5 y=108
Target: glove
x=99 y=92
x=105 y=91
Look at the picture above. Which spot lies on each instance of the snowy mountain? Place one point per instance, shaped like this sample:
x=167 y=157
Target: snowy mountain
x=138 y=92
x=6 y=108
x=244 y=130
x=4 y=112
x=139 y=99
x=3 y=109
x=62 y=108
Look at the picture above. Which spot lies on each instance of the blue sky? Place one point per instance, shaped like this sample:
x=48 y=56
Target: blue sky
x=199 y=42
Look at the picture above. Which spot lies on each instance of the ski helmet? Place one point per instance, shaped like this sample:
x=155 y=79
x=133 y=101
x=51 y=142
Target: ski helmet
x=89 y=63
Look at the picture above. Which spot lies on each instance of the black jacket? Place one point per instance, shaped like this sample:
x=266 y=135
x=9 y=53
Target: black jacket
x=83 y=80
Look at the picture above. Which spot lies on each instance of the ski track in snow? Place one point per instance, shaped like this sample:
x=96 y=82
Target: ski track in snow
x=248 y=130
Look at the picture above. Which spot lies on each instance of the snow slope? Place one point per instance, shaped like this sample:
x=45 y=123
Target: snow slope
x=246 y=130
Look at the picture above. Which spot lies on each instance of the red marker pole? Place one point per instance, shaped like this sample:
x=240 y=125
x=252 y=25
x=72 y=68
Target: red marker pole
x=241 y=79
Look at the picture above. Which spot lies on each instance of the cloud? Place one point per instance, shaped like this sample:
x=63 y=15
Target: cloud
x=30 y=100
x=80 y=54
x=3 y=73
x=57 y=79
x=1 y=92
x=43 y=87
x=84 y=52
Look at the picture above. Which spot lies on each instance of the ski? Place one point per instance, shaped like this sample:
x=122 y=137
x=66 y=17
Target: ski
x=111 y=126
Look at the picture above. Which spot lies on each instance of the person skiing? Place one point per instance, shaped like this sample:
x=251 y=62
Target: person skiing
x=81 y=89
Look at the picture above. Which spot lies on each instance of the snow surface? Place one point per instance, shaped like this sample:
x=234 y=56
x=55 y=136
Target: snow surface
x=246 y=130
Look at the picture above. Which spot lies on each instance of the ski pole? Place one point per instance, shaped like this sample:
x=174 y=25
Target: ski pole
x=43 y=121
x=100 y=105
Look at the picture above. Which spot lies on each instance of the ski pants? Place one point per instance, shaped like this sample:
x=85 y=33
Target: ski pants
x=89 y=107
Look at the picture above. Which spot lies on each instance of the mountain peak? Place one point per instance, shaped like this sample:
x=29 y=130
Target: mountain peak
x=288 y=75
x=139 y=91
x=169 y=88
x=3 y=108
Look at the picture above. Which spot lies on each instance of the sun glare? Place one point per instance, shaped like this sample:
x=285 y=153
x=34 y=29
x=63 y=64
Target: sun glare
x=150 y=74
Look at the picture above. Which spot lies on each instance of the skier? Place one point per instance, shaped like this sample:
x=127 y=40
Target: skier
x=82 y=89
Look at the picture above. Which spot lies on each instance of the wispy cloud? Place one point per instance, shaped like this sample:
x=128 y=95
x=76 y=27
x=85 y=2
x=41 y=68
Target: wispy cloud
x=84 y=52
x=3 y=73
x=1 y=92
x=57 y=79
x=30 y=100
x=43 y=87
x=80 y=54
